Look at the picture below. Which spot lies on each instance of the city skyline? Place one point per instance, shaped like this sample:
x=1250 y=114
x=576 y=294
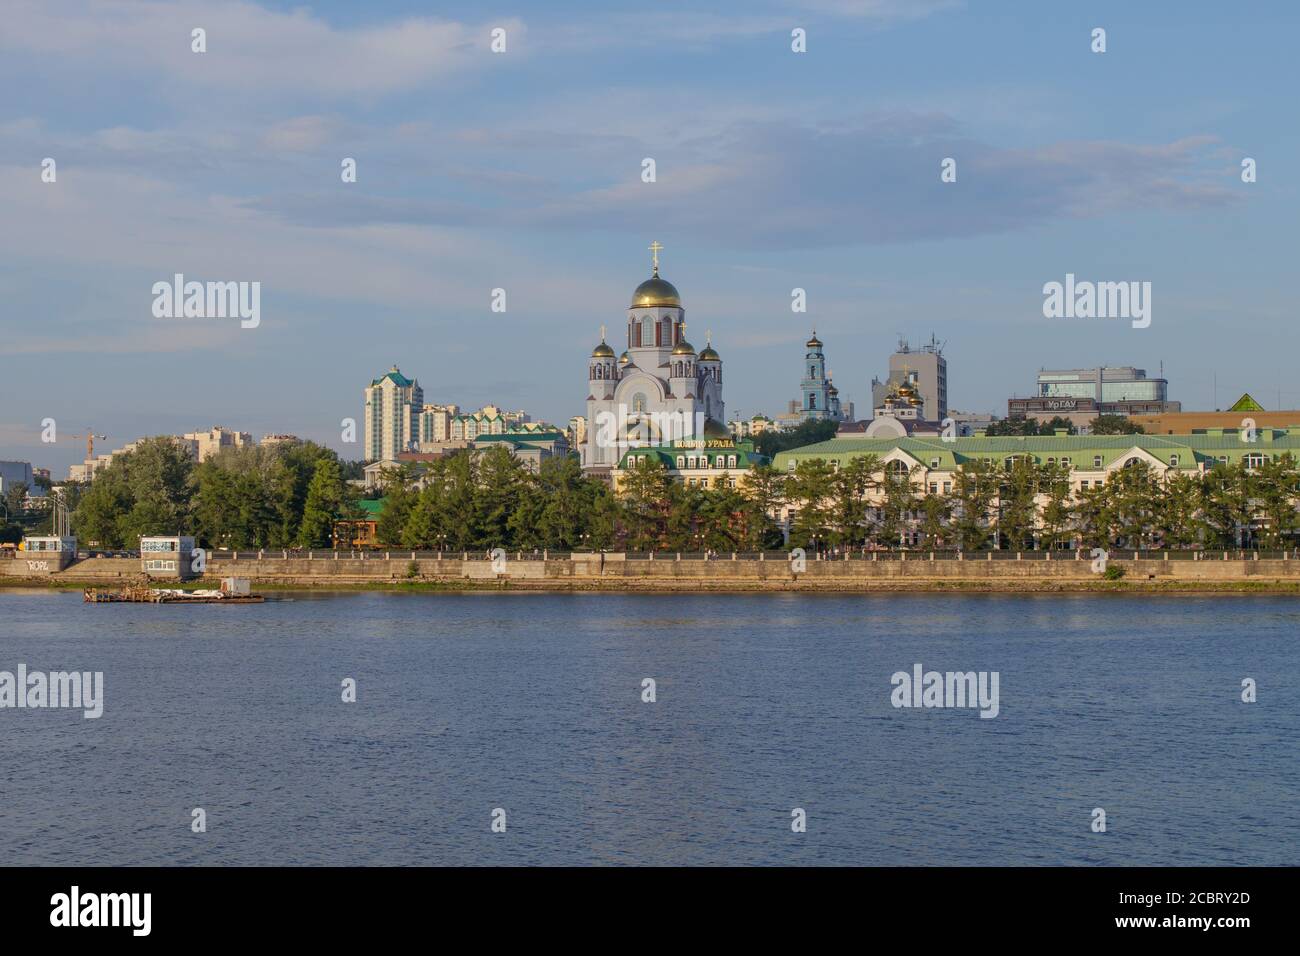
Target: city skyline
x=471 y=177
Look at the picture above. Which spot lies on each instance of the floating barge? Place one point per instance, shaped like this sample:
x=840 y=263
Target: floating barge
x=232 y=591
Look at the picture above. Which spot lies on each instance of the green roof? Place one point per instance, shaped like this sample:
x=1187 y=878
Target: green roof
x=1246 y=404
x=396 y=377
x=666 y=455
x=524 y=438
x=372 y=506
x=1204 y=445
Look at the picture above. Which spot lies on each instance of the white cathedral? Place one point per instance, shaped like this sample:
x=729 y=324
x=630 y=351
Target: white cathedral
x=658 y=390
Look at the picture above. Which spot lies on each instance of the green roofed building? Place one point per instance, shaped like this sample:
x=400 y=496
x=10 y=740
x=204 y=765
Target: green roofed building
x=530 y=446
x=1246 y=404
x=932 y=464
x=707 y=463
x=1089 y=457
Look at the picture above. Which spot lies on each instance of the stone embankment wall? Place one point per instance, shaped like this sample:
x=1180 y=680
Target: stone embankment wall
x=667 y=572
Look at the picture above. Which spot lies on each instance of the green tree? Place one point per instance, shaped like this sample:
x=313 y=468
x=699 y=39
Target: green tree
x=1276 y=489
x=325 y=503
x=809 y=432
x=497 y=494
x=1115 y=425
x=808 y=489
x=763 y=488
x=847 y=505
x=1058 y=510
x=1226 y=504
x=1018 y=503
x=645 y=503
x=974 y=489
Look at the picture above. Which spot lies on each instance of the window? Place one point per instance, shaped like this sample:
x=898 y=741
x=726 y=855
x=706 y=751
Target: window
x=1173 y=461
x=1065 y=462
x=790 y=466
x=934 y=462
x=731 y=461
x=704 y=482
x=934 y=487
x=947 y=487
x=690 y=462
x=1254 y=461
x=1084 y=483
x=1096 y=461
x=681 y=461
x=647 y=332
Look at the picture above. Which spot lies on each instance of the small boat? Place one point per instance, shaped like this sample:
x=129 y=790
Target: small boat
x=232 y=591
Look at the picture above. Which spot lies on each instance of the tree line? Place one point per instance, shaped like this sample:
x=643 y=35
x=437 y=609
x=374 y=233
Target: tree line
x=291 y=496
x=277 y=496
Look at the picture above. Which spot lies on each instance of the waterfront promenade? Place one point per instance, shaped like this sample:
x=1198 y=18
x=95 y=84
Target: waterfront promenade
x=669 y=571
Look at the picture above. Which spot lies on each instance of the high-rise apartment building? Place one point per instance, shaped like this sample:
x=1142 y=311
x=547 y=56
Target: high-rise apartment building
x=393 y=406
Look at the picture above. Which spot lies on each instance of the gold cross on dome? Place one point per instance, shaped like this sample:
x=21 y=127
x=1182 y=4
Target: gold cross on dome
x=654 y=254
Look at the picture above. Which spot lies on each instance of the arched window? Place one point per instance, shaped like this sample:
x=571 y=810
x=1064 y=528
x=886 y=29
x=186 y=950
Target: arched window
x=897 y=467
x=639 y=403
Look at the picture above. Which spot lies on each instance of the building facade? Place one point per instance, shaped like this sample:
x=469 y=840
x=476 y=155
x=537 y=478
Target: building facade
x=927 y=370
x=1080 y=395
x=203 y=445
x=393 y=406
x=659 y=389
x=435 y=423
x=710 y=463
x=932 y=464
x=488 y=420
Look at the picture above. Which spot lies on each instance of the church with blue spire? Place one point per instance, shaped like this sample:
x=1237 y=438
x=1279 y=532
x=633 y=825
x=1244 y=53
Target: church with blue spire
x=820 y=399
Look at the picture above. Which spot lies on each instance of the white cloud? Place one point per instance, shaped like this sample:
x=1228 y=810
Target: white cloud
x=250 y=49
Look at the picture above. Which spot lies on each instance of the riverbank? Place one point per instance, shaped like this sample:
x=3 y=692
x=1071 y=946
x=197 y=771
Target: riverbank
x=669 y=574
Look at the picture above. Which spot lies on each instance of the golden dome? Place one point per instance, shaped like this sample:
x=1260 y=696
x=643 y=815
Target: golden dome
x=709 y=355
x=656 y=293
x=814 y=342
x=623 y=359
x=602 y=351
x=684 y=348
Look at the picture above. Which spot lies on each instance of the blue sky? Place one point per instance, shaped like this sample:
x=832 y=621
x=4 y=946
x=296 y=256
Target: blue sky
x=522 y=171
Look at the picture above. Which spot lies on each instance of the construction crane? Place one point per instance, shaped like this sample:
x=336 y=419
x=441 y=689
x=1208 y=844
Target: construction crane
x=90 y=437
